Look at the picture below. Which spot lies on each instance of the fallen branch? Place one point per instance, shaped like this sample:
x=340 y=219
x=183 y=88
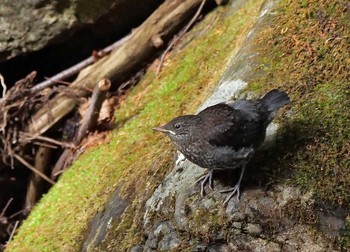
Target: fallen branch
x=13 y=231
x=121 y=63
x=25 y=137
x=78 y=67
x=2 y=214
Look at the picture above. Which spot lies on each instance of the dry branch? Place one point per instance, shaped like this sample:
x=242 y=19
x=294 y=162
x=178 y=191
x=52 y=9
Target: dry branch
x=13 y=231
x=89 y=123
x=122 y=62
x=36 y=182
x=78 y=67
x=91 y=117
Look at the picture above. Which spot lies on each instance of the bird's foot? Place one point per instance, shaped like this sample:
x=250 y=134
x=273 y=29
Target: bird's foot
x=208 y=178
x=234 y=190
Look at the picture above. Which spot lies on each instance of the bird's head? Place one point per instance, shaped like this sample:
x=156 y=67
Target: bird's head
x=181 y=128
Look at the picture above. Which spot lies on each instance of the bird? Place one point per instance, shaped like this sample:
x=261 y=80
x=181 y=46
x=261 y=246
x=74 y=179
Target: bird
x=224 y=136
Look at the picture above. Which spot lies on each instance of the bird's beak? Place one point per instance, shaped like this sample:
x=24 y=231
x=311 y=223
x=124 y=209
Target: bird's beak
x=161 y=129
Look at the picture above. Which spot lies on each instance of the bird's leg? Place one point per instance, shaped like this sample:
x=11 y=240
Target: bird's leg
x=234 y=189
x=204 y=180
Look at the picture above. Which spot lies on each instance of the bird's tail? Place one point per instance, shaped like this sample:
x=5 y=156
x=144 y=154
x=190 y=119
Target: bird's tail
x=273 y=101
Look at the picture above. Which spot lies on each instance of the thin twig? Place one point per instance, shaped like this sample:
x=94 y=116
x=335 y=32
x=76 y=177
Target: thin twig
x=177 y=38
x=91 y=117
x=57 y=173
x=4 y=87
x=18 y=213
x=6 y=206
x=51 y=146
x=54 y=81
x=13 y=231
x=63 y=161
x=76 y=68
x=29 y=137
x=33 y=169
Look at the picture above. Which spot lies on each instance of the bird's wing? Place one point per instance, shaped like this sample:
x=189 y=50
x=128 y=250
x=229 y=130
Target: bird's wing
x=256 y=120
x=250 y=109
x=217 y=121
x=236 y=125
x=218 y=125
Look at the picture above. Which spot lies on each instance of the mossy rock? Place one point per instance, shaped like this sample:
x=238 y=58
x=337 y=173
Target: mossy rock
x=304 y=49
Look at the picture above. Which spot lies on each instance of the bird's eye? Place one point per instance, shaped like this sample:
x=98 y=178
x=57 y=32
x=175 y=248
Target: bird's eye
x=177 y=126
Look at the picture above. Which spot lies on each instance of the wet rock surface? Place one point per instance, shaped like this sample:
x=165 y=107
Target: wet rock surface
x=100 y=224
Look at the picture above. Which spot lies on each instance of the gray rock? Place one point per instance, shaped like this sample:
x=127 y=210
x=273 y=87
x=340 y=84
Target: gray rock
x=162 y=237
x=100 y=223
x=137 y=248
x=237 y=225
x=169 y=242
x=254 y=230
x=43 y=23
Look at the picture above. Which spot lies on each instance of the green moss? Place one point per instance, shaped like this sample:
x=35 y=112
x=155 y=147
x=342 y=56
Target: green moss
x=310 y=61
x=132 y=151
x=306 y=52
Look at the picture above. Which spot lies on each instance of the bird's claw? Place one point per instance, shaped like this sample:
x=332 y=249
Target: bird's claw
x=211 y=187
x=208 y=178
x=234 y=190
